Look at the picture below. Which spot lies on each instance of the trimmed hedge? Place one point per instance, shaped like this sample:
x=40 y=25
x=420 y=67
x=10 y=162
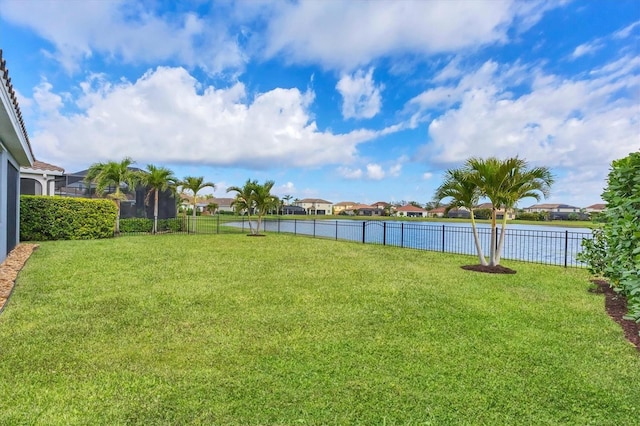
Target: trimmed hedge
x=142 y=225
x=614 y=251
x=45 y=218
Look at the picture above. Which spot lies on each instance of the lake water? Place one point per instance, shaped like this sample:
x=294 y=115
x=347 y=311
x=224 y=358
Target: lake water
x=541 y=244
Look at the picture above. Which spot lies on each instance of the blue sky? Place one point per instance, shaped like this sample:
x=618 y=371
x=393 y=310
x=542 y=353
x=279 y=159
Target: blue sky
x=341 y=100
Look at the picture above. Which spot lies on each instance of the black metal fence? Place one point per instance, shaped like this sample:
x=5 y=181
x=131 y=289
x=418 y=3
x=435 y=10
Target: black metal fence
x=538 y=246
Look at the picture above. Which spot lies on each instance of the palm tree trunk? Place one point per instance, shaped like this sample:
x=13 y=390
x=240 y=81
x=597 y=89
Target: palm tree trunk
x=155 y=212
x=502 y=232
x=476 y=240
x=492 y=250
x=193 y=215
x=117 y=231
x=250 y=225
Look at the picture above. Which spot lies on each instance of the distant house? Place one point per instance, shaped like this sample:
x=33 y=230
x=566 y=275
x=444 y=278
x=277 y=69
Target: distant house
x=411 y=211
x=315 y=206
x=555 y=211
x=437 y=212
x=289 y=210
x=386 y=208
x=366 y=210
x=222 y=204
x=595 y=208
x=40 y=178
x=343 y=206
x=15 y=152
x=511 y=214
x=459 y=213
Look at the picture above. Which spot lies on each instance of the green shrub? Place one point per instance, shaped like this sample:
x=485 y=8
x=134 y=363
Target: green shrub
x=615 y=252
x=482 y=213
x=45 y=218
x=136 y=224
x=539 y=216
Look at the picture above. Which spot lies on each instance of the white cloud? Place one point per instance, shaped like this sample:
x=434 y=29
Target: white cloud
x=360 y=95
x=347 y=34
x=372 y=171
x=375 y=172
x=581 y=124
x=586 y=49
x=446 y=96
x=395 y=170
x=427 y=175
x=127 y=32
x=167 y=117
x=450 y=71
x=349 y=173
x=286 y=189
x=626 y=31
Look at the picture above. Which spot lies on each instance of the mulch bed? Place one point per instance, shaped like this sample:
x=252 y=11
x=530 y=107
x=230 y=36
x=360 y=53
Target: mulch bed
x=615 y=305
x=10 y=267
x=498 y=269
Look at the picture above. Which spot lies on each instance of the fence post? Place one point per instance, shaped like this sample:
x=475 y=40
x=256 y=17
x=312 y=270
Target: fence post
x=363 y=231
x=295 y=226
x=566 y=247
x=402 y=234
x=443 y=238
x=336 y=229
x=314 y=228
x=384 y=233
x=188 y=224
x=218 y=224
x=278 y=225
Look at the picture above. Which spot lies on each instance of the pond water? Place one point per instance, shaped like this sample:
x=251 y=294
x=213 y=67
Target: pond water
x=541 y=244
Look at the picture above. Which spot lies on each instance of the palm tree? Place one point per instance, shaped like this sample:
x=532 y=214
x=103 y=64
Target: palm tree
x=263 y=200
x=212 y=207
x=462 y=192
x=244 y=199
x=158 y=179
x=286 y=200
x=504 y=183
x=195 y=185
x=254 y=198
x=112 y=173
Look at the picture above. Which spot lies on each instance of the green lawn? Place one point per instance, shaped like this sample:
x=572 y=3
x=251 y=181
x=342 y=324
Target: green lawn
x=278 y=330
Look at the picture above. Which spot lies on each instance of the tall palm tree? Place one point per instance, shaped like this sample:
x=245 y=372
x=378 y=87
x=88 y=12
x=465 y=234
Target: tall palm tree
x=158 y=179
x=115 y=174
x=504 y=183
x=462 y=192
x=195 y=185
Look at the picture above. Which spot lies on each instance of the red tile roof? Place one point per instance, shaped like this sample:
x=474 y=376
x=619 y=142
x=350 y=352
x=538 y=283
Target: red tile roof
x=41 y=165
x=410 y=208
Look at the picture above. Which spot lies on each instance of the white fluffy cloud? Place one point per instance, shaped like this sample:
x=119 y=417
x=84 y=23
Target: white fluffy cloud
x=375 y=172
x=166 y=116
x=372 y=171
x=348 y=34
x=360 y=95
x=126 y=31
x=577 y=124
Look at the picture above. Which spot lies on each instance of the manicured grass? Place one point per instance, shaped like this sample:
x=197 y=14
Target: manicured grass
x=236 y=330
